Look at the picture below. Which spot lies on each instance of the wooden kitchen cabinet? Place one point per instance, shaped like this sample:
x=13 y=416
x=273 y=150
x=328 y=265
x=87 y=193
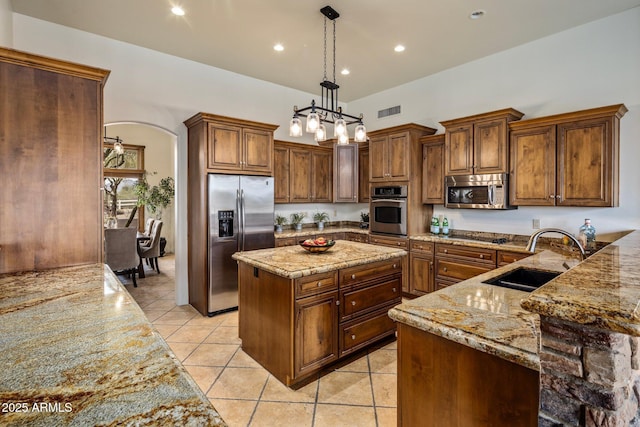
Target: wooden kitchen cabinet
x=567 y=159
x=357 y=237
x=363 y=174
x=454 y=263
x=345 y=177
x=302 y=173
x=394 y=242
x=421 y=268
x=389 y=152
x=433 y=169
x=478 y=144
x=507 y=257
x=51 y=161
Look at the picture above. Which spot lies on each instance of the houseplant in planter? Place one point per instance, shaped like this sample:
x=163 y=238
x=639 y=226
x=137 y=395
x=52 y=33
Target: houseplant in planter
x=279 y=222
x=320 y=218
x=296 y=220
x=364 y=220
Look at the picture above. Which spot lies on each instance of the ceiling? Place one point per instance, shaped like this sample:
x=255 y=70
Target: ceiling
x=239 y=35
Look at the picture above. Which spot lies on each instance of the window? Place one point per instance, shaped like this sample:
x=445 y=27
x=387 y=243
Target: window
x=121 y=174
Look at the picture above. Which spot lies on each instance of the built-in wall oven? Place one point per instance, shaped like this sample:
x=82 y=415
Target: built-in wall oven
x=388 y=209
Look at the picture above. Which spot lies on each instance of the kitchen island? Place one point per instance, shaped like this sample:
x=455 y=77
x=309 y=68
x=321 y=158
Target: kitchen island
x=572 y=345
x=300 y=312
x=77 y=350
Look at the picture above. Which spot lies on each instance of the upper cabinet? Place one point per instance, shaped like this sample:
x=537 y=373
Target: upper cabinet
x=363 y=173
x=234 y=145
x=389 y=150
x=567 y=159
x=345 y=173
x=433 y=169
x=50 y=162
x=478 y=144
x=302 y=173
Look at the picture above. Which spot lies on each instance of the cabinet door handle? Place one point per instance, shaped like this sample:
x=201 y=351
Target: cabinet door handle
x=431 y=265
x=338 y=302
x=446 y=251
x=481 y=256
x=319 y=284
x=353 y=303
x=445 y=269
x=353 y=337
x=353 y=276
x=558 y=196
x=395 y=265
x=551 y=196
x=394 y=290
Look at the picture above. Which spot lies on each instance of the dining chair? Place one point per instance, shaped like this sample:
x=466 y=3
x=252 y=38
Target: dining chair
x=148 y=226
x=120 y=251
x=151 y=249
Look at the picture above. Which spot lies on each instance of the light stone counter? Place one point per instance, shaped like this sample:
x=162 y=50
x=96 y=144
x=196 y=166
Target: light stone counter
x=294 y=261
x=77 y=350
x=482 y=316
x=305 y=232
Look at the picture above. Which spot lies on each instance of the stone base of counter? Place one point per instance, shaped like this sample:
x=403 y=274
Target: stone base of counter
x=589 y=376
x=443 y=383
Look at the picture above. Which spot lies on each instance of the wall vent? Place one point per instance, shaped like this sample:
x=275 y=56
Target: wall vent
x=389 y=112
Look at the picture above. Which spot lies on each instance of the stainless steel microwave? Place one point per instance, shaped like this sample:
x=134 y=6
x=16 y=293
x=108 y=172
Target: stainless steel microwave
x=487 y=191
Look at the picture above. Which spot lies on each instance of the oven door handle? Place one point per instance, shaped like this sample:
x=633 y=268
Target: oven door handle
x=388 y=201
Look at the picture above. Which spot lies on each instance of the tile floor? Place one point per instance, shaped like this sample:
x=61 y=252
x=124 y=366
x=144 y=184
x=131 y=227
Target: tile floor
x=359 y=393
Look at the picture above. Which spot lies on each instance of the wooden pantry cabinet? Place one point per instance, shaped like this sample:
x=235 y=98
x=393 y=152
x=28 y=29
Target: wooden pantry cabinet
x=421 y=268
x=567 y=159
x=51 y=155
x=364 y=192
x=478 y=144
x=303 y=173
x=433 y=169
x=232 y=145
x=390 y=152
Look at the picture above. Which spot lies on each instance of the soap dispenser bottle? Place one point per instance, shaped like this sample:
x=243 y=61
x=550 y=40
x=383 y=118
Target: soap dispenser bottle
x=587 y=235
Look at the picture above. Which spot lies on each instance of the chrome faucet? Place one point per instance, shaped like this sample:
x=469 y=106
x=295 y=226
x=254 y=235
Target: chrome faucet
x=531 y=246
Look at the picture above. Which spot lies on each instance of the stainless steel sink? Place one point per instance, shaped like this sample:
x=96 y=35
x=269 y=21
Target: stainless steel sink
x=523 y=279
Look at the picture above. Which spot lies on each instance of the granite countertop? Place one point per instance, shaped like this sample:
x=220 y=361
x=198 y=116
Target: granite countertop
x=77 y=350
x=481 y=240
x=315 y=232
x=294 y=261
x=602 y=291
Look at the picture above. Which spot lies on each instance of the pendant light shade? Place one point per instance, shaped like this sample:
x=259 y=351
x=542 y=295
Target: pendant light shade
x=339 y=127
x=360 y=133
x=118 y=147
x=313 y=121
x=343 y=139
x=295 y=126
x=321 y=133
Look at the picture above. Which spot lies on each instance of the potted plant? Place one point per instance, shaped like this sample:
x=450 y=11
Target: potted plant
x=320 y=218
x=279 y=222
x=296 y=220
x=364 y=220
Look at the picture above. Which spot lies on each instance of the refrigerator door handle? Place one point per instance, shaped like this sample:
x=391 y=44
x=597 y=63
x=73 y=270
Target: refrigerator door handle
x=242 y=218
x=240 y=230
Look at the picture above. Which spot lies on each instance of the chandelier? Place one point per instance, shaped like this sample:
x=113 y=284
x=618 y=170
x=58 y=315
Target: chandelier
x=328 y=111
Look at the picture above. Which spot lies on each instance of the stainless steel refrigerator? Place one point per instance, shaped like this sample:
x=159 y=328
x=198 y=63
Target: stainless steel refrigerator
x=240 y=219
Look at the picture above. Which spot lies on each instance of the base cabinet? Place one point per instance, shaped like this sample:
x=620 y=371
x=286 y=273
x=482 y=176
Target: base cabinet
x=443 y=383
x=296 y=327
x=421 y=267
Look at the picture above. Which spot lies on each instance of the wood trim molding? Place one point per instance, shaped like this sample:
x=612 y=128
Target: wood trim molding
x=617 y=110
x=509 y=113
x=206 y=117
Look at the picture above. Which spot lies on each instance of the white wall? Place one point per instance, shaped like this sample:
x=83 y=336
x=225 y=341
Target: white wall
x=6 y=24
x=593 y=65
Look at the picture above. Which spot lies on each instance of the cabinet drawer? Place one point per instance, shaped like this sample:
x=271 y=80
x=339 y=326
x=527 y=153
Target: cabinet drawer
x=362 y=300
x=354 y=275
x=423 y=247
x=393 y=242
x=443 y=283
x=458 y=271
x=357 y=334
x=487 y=256
x=317 y=283
x=506 y=257
x=357 y=237
x=287 y=241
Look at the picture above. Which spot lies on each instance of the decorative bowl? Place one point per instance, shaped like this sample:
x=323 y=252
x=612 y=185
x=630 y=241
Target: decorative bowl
x=316 y=249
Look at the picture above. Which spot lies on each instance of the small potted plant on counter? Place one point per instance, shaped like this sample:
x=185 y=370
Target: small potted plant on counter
x=364 y=220
x=296 y=220
x=279 y=222
x=320 y=218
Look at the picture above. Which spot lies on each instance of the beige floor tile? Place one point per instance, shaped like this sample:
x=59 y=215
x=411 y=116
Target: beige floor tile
x=236 y=413
x=185 y=308
x=211 y=355
x=243 y=360
x=278 y=392
x=182 y=350
x=201 y=320
x=224 y=335
x=385 y=389
x=344 y=416
x=153 y=315
x=204 y=376
x=387 y=417
x=166 y=330
x=239 y=383
x=188 y=333
x=384 y=361
x=229 y=319
x=282 y=414
x=349 y=388
x=161 y=304
x=359 y=365
x=174 y=318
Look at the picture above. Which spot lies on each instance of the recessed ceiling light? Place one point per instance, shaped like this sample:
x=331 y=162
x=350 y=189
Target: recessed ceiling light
x=278 y=47
x=177 y=10
x=345 y=71
x=477 y=14
x=399 y=48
